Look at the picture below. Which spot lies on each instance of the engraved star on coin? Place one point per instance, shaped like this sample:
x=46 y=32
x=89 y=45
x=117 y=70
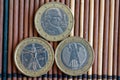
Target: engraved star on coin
x=54 y=21
x=74 y=56
x=34 y=56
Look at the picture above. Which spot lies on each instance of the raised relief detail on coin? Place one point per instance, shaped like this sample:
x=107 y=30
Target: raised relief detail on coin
x=34 y=56
x=54 y=21
x=74 y=56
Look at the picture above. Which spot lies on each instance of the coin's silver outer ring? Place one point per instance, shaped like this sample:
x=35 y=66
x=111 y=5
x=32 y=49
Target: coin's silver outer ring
x=62 y=67
x=42 y=71
x=40 y=29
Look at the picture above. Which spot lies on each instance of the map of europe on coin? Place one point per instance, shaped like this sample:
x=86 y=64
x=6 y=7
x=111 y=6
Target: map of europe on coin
x=74 y=56
x=54 y=21
x=34 y=56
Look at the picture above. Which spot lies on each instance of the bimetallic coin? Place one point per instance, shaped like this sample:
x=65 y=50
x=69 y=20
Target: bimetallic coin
x=54 y=21
x=74 y=56
x=34 y=56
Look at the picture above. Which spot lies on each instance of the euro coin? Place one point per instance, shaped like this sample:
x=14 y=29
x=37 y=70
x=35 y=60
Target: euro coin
x=34 y=56
x=54 y=21
x=74 y=56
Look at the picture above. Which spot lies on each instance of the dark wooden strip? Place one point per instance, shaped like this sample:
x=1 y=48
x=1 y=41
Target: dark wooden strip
x=20 y=27
x=10 y=37
x=105 y=41
x=54 y=65
x=95 y=35
x=86 y=19
x=15 y=32
x=25 y=29
x=85 y=29
x=5 y=40
x=31 y=17
x=118 y=60
x=77 y=6
x=1 y=34
x=115 y=47
x=36 y=6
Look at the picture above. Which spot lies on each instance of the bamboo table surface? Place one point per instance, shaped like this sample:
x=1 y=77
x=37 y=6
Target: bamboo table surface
x=97 y=21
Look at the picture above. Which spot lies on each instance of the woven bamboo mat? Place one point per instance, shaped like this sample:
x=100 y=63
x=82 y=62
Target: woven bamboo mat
x=98 y=21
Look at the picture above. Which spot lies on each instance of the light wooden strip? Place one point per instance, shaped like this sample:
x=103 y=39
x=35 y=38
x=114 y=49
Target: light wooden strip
x=72 y=6
x=81 y=20
x=90 y=38
x=81 y=17
x=111 y=33
x=100 y=36
x=10 y=37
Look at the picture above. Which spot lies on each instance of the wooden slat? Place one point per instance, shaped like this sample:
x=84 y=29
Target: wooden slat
x=105 y=45
x=95 y=39
x=81 y=17
x=20 y=26
x=85 y=29
x=100 y=37
x=111 y=33
x=115 y=47
x=10 y=37
x=15 y=32
x=90 y=36
x=1 y=34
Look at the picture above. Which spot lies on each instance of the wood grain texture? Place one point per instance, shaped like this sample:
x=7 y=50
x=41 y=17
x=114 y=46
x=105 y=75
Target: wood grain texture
x=85 y=29
x=36 y=7
x=25 y=29
x=105 y=40
x=10 y=43
x=90 y=29
x=97 y=21
x=81 y=17
x=76 y=30
x=20 y=26
x=54 y=65
x=15 y=32
x=1 y=33
x=118 y=60
x=72 y=6
x=111 y=34
x=115 y=47
x=100 y=37
x=95 y=39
